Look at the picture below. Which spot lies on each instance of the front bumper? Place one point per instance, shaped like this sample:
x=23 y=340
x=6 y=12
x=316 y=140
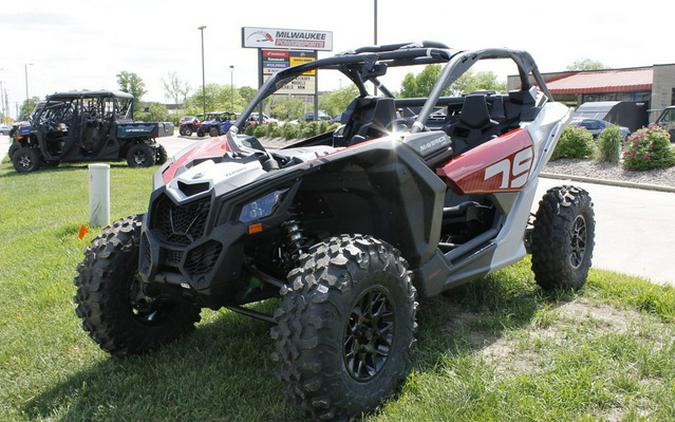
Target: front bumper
x=182 y=245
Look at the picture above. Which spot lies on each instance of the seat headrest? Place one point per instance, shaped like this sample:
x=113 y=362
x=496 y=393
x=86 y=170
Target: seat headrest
x=475 y=113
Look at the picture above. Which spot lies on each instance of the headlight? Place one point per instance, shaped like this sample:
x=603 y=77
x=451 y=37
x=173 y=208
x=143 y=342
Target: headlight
x=261 y=207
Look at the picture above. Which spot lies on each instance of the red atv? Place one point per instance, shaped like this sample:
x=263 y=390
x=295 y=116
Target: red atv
x=189 y=125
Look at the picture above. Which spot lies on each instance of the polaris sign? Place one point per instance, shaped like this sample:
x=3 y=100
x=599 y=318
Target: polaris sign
x=296 y=39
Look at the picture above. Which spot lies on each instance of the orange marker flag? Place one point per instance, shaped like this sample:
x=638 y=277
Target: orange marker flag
x=83 y=232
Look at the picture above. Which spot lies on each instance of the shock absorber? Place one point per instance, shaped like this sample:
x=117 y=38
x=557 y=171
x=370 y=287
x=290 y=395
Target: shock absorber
x=295 y=240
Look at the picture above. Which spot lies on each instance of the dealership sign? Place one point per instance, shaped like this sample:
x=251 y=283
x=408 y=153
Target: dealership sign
x=275 y=60
x=297 y=39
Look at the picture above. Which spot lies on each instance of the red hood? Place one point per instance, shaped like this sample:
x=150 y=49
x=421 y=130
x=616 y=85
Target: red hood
x=213 y=148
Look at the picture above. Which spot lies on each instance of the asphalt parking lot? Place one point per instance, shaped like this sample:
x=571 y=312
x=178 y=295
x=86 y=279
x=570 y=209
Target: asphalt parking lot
x=634 y=229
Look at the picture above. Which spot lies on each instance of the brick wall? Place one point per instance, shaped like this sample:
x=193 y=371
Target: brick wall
x=662 y=89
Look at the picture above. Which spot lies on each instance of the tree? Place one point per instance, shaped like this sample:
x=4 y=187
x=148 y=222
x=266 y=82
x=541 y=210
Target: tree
x=153 y=112
x=420 y=85
x=27 y=107
x=286 y=108
x=335 y=102
x=247 y=93
x=175 y=89
x=586 y=64
x=131 y=83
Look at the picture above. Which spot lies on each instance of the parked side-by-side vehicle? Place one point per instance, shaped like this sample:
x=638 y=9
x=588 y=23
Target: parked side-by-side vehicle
x=87 y=126
x=349 y=229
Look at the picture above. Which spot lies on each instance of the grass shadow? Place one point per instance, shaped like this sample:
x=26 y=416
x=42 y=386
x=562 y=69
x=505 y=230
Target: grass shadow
x=223 y=370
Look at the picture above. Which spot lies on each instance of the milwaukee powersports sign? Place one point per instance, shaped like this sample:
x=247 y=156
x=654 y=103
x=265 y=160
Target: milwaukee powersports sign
x=295 y=39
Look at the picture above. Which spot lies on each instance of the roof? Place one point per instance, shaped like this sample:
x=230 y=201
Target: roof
x=611 y=80
x=90 y=94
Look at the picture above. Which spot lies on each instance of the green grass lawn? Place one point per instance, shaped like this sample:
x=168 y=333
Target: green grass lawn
x=497 y=349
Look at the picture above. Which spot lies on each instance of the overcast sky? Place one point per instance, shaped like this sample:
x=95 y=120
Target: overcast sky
x=84 y=44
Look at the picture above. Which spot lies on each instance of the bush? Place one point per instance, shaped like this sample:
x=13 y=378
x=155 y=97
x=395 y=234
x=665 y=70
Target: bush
x=609 y=144
x=290 y=131
x=648 y=148
x=259 y=131
x=276 y=132
x=269 y=129
x=575 y=142
x=249 y=130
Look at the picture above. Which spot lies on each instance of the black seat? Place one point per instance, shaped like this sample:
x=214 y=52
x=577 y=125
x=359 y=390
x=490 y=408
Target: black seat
x=367 y=117
x=474 y=125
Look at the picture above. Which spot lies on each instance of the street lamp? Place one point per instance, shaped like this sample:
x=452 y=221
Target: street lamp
x=202 y=28
x=25 y=69
x=232 y=88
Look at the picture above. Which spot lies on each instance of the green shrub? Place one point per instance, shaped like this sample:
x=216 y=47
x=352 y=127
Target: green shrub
x=609 y=144
x=269 y=129
x=332 y=127
x=276 y=132
x=290 y=131
x=259 y=131
x=648 y=148
x=575 y=142
x=249 y=130
x=310 y=129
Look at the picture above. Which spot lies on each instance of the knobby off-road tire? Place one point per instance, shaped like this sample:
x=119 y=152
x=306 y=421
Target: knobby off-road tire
x=318 y=327
x=26 y=159
x=105 y=288
x=213 y=132
x=160 y=155
x=563 y=238
x=141 y=155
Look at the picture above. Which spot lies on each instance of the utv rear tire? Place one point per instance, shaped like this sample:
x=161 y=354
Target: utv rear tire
x=213 y=132
x=26 y=159
x=105 y=282
x=181 y=131
x=350 y=297
x=563 y=238
x=160 y=155
x=12 y=149
x=200 y=133
x=187 y=132
x=141 y=155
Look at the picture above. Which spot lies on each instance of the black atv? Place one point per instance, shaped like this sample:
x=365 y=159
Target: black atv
x=408 y=198
x=87 y=126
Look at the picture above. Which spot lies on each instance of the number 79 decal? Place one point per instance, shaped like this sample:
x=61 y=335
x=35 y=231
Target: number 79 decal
x=513 y=174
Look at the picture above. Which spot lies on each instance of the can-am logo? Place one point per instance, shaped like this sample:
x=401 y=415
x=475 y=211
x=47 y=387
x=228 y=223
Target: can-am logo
x=261 y=36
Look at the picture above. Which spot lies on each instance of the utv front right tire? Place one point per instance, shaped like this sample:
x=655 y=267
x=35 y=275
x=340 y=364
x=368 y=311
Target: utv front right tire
x=563 y=238
x=114 y=312
x=345 y=327
x=141 y=155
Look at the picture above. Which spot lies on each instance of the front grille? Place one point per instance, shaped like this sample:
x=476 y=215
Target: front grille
x=180 y=224
x=173 y=257
x=201 y=259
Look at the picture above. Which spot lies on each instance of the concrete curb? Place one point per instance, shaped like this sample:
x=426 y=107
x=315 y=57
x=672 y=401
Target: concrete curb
x=619 y=183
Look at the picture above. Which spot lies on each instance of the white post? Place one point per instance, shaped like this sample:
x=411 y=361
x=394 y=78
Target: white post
x=99 y=195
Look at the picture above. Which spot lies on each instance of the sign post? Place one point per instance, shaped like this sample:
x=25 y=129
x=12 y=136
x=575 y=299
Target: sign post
x=279 y=49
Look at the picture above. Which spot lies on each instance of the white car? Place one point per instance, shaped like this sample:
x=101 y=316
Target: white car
x=4 y=129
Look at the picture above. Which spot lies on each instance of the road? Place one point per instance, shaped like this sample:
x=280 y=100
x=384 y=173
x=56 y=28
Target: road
x=634 y=231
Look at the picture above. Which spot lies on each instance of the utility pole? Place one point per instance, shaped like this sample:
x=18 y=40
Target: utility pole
x=232 y=88
x=202 y=28
x=25 y=69
x=375 y=33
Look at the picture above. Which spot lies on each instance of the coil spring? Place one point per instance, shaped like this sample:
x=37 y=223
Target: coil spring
x=295 y=241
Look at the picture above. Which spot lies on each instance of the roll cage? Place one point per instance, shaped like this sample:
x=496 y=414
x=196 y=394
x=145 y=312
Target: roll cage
x=366 y=64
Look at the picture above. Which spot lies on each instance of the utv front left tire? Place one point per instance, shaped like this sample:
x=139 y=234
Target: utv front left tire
x=114 y=311
x=345 y=327
x=563 y=238
x=26 y=159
